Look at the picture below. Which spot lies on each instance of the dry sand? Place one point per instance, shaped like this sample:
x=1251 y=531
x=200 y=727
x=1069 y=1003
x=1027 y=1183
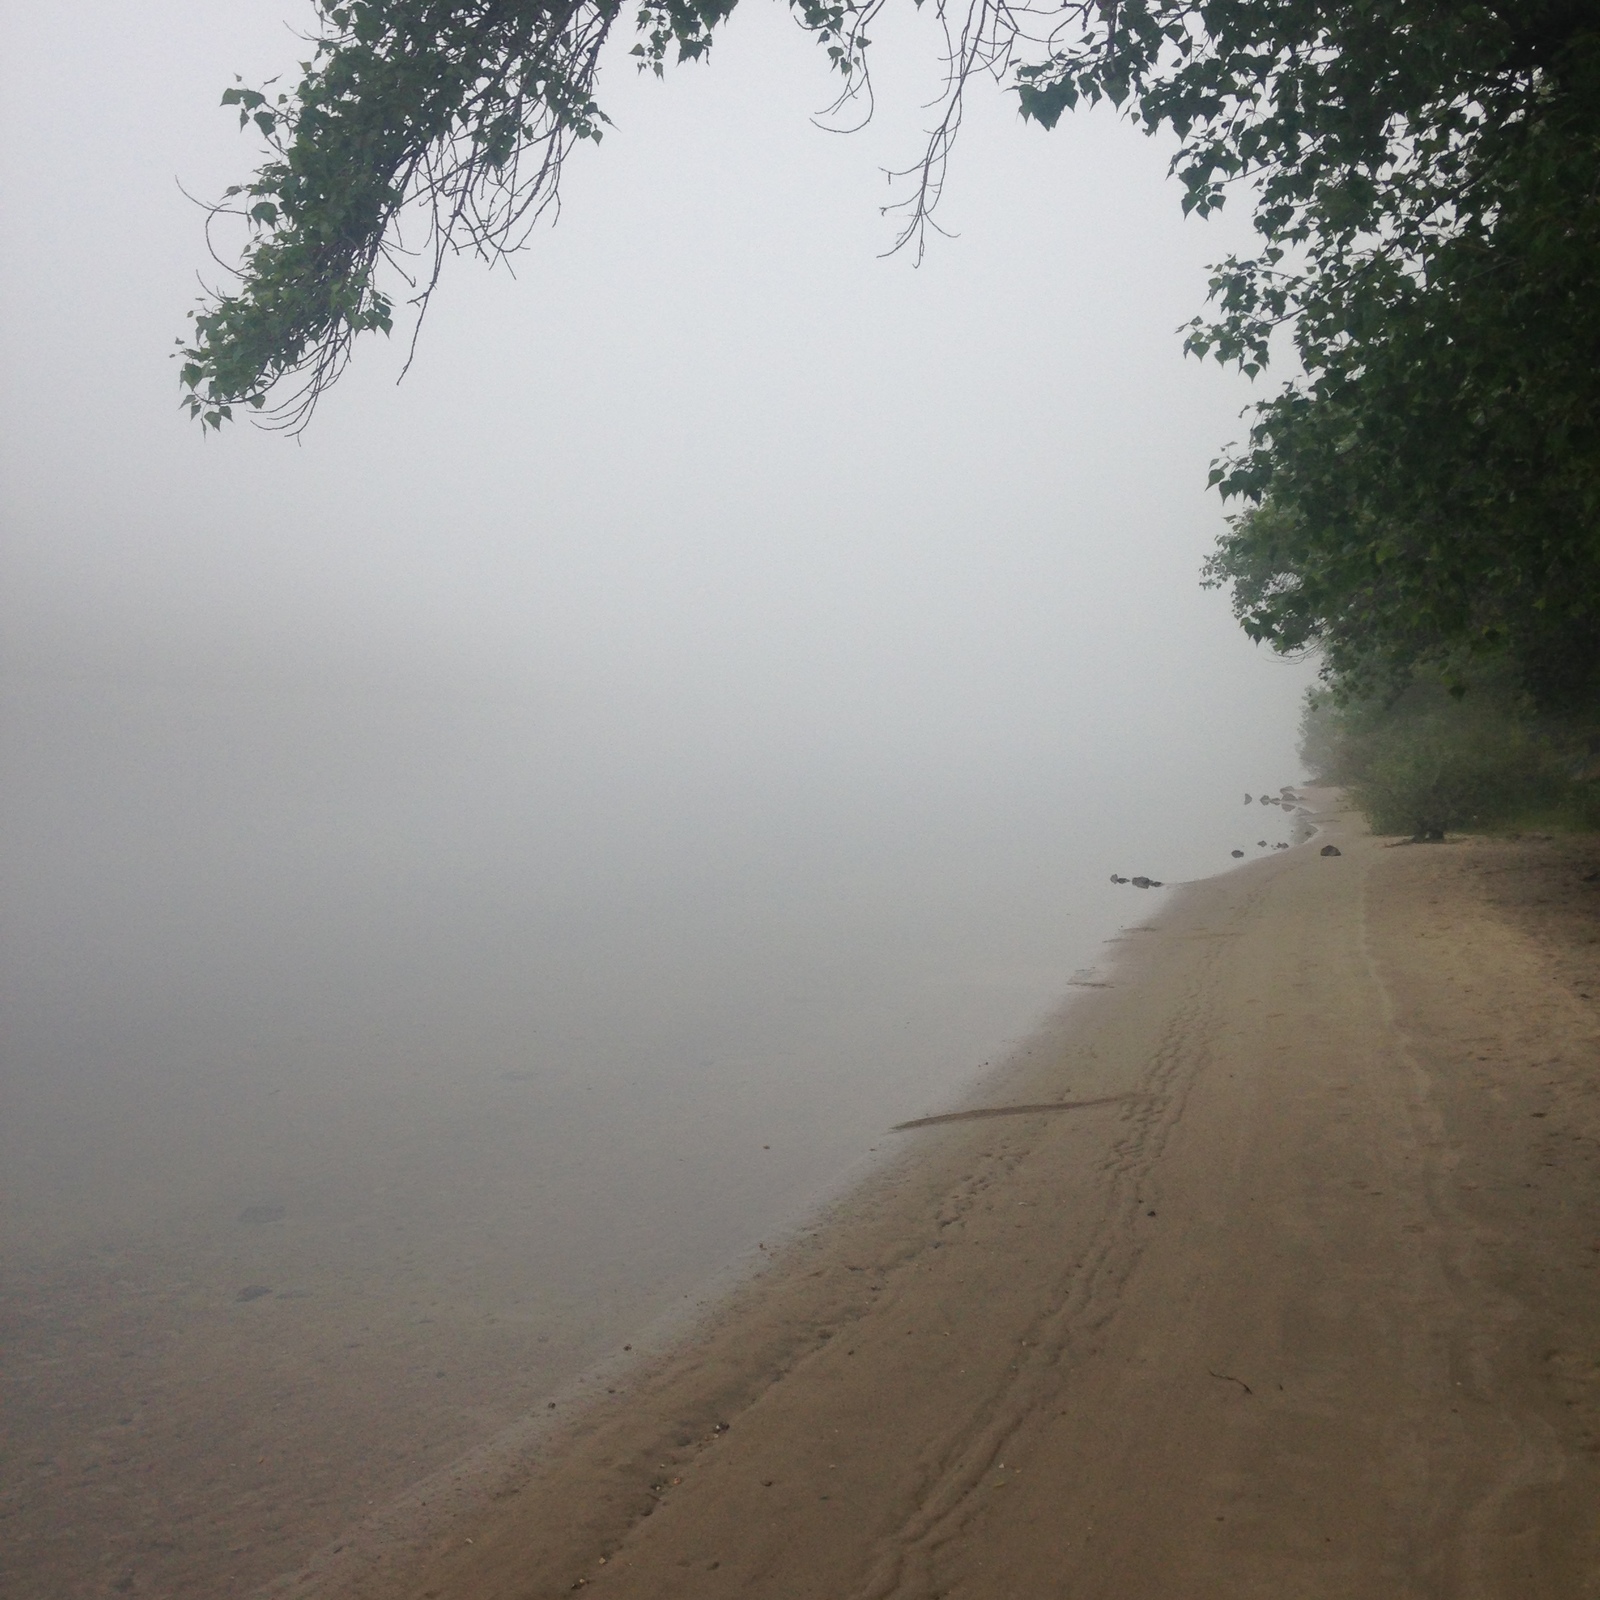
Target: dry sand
x=1298 y=1301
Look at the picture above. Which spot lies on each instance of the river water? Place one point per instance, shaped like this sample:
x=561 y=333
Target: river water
x=378 y=1060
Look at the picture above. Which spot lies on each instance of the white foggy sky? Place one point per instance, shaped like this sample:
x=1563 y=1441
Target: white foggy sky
x=706 y=451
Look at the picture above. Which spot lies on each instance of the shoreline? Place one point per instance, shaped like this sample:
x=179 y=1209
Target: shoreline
x=437 y=1514
x=430 y=1514
x=266 y=1298
x=1303 y=1309
x=406 y=1534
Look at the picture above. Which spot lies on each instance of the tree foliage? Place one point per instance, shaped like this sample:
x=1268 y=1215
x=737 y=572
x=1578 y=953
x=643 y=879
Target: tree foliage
x=1429 y=490
x=1422 y=176
x=445 y=119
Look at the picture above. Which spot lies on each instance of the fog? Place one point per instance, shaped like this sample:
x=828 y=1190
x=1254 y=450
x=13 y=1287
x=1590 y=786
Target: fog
x=476 y=873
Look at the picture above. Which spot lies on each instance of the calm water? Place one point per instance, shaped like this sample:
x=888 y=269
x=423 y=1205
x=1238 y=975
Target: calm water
x=375 y=1062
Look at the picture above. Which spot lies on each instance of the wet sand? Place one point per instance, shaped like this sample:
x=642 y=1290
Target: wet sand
x=1298 y=1300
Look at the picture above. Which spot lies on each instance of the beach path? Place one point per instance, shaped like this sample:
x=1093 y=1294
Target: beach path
x=1296 y=1298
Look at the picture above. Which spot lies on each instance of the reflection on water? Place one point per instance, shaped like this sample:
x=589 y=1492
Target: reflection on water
x=374 y=1063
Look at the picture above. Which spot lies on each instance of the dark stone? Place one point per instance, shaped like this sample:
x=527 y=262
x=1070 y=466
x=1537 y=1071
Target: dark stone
x=1331 y=850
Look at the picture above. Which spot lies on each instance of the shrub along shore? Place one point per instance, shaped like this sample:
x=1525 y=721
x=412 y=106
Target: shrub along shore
x=1455 y=752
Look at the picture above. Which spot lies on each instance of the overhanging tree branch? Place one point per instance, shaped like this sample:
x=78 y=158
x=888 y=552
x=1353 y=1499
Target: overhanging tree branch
x=1365 y=133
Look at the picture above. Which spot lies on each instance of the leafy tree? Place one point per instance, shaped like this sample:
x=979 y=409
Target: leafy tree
x=456 y=114
x=1375 y=136
x=1369 y=134
x=1430 y=490
x=1423 y=177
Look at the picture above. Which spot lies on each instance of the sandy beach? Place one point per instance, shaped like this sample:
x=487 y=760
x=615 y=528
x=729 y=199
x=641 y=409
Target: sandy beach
x=1292 y=1294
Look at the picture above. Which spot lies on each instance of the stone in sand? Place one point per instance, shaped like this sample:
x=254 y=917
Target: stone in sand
x=253 y=1292
x=1331 y=850
x=1236 y=854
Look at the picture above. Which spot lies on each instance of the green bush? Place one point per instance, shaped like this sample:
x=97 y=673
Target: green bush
x=1442 y=755
x=1426 y=776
